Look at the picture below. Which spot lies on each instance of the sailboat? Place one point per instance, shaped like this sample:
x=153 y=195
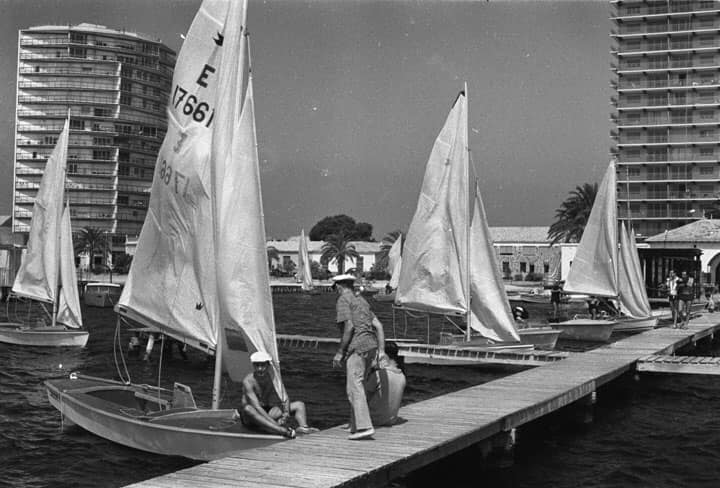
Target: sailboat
x=394 y=265
x=600 y=269
x=304 y=275
x=199 y=274
x=636 y=313
x=47 y=271
x=448 y=265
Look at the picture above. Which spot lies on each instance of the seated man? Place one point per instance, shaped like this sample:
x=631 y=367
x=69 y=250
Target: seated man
x=261 y=408
x=384 y=387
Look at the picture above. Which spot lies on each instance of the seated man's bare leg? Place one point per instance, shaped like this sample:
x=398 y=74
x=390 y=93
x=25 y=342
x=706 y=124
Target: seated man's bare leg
x=251 y=416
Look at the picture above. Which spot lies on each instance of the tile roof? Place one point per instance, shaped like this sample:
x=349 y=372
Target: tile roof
x=705 y=230
x=530 y=234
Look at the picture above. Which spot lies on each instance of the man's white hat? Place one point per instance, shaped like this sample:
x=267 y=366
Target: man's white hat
x=343 y=277
x=260 y=357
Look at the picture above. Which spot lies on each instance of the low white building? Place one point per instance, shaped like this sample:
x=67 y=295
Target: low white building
x=288 y=250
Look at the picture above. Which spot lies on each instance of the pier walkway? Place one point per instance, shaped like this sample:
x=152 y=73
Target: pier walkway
x=438 y=427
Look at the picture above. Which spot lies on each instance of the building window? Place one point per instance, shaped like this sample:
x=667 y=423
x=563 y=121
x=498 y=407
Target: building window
x=506 y=267
x=546 y=268
x=523 y=267
x=532 y=268
x=77 y=124
x=360 y=265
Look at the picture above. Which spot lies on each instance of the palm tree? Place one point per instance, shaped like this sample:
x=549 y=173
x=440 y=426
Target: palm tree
x=387 y=243
x=91 y=240
x=272 y=255
x=338 y=248
x=573 y=214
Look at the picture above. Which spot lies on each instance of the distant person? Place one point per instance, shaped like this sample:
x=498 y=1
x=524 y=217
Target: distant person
x=671 y=284
x=388 y=288
x=685 y=293
x=262 y=409
x=555 y=298
x=593 y=305
x=384 y=387
x=362 y=346
x=520 y=314
x=714 y=300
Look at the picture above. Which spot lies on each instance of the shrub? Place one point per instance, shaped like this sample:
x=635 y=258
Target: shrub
x=518 y=277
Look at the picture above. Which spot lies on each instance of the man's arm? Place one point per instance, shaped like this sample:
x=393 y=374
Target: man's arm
x=344 y=343
x=380 y=336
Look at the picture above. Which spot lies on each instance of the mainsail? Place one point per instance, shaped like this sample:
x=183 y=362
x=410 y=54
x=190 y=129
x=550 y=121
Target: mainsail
x=633 y=294
x=593 y=270
x=395 y=262
x=304 y=273
x=37 y=277
x=432 y=277
x=448 y=260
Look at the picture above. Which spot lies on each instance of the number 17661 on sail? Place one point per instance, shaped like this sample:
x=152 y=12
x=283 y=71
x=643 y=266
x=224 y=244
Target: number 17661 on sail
x=192 y=106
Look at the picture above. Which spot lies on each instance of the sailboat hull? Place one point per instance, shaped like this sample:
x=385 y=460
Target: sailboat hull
x=635 y=325
x=586 y=329
x=144 y=419
x=18 y=334
x=539 y=337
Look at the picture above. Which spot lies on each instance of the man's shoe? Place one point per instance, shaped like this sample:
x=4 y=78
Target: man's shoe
x=362 y=434
x=306 y=430
x=289 y=433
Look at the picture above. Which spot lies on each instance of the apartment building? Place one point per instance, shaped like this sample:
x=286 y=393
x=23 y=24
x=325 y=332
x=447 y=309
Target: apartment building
x=666 y=111
x=115 y=85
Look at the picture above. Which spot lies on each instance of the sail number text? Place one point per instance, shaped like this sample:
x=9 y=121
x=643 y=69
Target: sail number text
x=190 y=105
x=174 y=179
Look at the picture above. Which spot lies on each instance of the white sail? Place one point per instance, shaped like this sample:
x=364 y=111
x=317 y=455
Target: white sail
x=633 y=294
x=304 y=272
x=68 y=310
x=245 y=298
x=395 y=262
x=37 y=277
x=490 y=309
x=593 y=269
x=172 y=283
x=432 y=278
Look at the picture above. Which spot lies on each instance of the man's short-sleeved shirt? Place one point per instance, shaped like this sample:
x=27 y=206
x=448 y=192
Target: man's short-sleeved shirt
x=356 y=309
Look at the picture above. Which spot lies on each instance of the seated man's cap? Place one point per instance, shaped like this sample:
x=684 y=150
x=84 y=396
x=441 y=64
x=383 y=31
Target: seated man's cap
x=260 y=357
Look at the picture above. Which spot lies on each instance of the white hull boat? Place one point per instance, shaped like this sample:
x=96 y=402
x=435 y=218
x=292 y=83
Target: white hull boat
x=629 y=324
x=22 y=335
x=590 y=330
x=538 y=337
x=102 y=294
x=147 y=418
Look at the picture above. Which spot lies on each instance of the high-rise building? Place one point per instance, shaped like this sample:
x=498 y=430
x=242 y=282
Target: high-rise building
x=115 y=85
x=666 y=111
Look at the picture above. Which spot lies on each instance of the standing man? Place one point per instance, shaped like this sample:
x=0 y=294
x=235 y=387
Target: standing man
x=362 y=346
x=686 y=294
x=671 y=284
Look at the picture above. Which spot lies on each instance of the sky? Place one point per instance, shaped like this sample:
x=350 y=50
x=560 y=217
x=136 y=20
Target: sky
x=350 y=95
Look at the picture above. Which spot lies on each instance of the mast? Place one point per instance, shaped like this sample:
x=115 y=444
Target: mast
x=220 y=338
x=467 y=218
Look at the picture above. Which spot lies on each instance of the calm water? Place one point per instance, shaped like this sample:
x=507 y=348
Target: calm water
x=660 y=431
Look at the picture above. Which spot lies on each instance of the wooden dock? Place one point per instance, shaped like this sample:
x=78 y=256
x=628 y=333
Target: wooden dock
x=438 y=427
x=679 y=364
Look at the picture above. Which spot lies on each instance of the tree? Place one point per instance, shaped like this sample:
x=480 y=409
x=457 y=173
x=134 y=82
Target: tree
x=272 y=255
x=572 y=216
x=387 y=243
x=344 y=224
x=338 y=248
x=91 y=240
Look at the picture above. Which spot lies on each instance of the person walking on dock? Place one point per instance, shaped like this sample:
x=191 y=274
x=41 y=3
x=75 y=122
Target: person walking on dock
x=362 y=346
x=261 y=408
x=671 y=283
x=686 y=294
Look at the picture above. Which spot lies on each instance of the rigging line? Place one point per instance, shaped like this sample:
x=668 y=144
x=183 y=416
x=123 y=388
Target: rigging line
x=162 y=350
